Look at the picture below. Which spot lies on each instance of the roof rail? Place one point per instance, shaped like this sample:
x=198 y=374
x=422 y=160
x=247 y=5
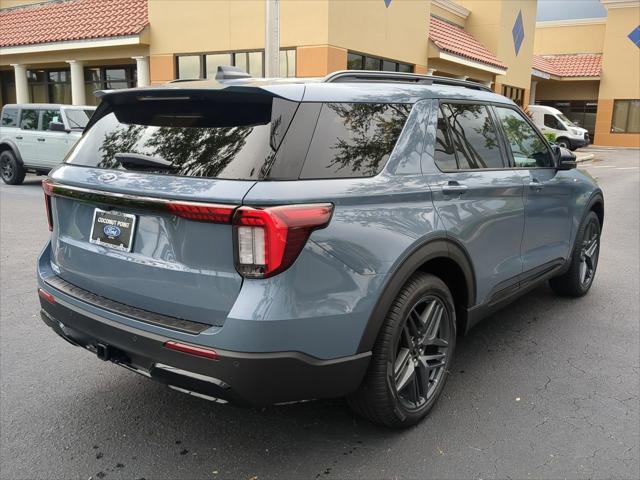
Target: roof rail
x=345 y=76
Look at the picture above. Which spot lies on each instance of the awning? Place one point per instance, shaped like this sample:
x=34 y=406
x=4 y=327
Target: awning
x=586 y=66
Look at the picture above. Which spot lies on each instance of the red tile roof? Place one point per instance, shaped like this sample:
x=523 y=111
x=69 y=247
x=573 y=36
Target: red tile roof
x=453 y=39
x=58 y=21
x=574 y=65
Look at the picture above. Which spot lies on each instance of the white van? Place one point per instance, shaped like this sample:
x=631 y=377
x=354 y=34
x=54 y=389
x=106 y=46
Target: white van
x=552 y=120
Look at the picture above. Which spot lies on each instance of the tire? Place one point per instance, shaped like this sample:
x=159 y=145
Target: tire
x=386 y=396
x=11 y=171
x=577 y=281
x=564 y=143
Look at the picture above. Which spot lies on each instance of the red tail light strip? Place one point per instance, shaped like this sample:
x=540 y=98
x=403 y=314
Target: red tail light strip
x=46 y=296
x=200 y=211
x=192 y=350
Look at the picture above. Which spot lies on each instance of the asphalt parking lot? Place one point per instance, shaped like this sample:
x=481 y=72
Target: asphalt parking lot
x=546 y=388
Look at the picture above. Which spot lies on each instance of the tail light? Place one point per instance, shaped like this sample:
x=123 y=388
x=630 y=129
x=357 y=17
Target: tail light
x=268 y=240
x=48 y=190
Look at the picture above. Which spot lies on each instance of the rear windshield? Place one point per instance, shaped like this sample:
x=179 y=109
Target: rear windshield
x=245 y=141
x=77 y=117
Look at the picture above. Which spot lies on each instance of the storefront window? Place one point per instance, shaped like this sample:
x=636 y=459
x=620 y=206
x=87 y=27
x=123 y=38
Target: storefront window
x=357 y=61
x=189 y=67
x=288 y=63
x=59 y=86
x=107 y=78
x=215 y=60
x=626 y=116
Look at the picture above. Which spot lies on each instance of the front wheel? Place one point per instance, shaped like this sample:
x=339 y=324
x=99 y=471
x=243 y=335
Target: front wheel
x=411 y=358
x=577 y=281
x=564 y=143
x=11 y=171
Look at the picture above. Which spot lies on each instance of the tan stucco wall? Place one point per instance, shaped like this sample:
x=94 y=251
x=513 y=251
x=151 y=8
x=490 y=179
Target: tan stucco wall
x=620 y=77
x=566 y=90
x=399 y=32
x=447 y=15
x=491 y=22
x=564 y=39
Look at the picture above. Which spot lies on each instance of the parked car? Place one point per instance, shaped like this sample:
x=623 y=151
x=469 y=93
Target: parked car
x=265 y=241
x=36 y=137
x=551 y=120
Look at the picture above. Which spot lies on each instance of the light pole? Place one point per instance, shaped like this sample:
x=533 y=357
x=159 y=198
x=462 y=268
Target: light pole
x=272 y=38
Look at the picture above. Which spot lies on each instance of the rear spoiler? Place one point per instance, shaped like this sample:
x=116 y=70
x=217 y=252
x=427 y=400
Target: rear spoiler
x=138 y=102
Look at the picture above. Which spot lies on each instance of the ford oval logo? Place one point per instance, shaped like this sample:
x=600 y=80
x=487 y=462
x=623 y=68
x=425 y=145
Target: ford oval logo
x=107 y=177
x=111 y=231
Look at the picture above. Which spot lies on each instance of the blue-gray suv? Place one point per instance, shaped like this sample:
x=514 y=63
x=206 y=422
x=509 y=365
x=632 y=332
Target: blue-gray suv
x=268 y=241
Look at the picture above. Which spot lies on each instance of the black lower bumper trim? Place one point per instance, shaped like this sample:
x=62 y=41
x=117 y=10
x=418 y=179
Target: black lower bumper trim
x=245 y=378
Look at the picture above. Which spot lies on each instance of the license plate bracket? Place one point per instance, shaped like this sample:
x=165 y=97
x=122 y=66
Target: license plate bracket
x=113 y=229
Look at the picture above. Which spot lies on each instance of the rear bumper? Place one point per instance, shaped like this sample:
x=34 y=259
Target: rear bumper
x=245 y=378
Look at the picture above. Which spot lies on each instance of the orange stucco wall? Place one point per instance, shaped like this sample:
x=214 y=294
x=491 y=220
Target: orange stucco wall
x=603 y=135
x=319 y=60
x=162 y=68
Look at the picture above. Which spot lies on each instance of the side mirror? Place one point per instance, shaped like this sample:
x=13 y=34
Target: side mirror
x=57 y=127
x=565 y=159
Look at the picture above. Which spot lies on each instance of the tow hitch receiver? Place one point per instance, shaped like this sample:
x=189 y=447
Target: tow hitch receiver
x=103 y=352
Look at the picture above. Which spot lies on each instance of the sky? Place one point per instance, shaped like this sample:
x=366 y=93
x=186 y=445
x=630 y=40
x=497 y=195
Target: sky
x=569 y=9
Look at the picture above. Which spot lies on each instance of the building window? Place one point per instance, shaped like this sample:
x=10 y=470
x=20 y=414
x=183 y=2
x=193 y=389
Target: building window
x=514 y=93
x=358 y=61
x=107 y=78
x=626 y=116
x=288 y=63
x=49 y=86
x=7 y=87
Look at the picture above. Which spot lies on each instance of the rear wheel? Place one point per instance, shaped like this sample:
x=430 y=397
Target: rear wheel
x=411 y=357
x=577 y=281
x=11 y=171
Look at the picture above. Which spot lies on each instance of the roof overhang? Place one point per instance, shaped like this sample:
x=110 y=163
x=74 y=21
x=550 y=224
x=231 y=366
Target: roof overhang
x=608 y=4
x=452 y=7
x=547 y=76
x=467 y=62
x=138 y=39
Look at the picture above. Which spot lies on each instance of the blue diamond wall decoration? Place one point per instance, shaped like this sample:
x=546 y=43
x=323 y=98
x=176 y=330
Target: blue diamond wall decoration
x=518 y=33
x=635 y=36
x=387 y=3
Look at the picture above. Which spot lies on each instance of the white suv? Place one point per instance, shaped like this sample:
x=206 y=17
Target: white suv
x=36 y=137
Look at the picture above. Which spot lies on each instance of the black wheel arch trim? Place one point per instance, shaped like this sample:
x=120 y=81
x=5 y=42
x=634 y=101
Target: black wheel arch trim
x=440 y=247
x=596 y=197
x=14 y=149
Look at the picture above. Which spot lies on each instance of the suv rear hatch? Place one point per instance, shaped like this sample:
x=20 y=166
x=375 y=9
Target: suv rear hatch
x=141 y=210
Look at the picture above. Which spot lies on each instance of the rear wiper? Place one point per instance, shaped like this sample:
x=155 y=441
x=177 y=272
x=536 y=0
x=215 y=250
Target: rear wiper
x=137 y=161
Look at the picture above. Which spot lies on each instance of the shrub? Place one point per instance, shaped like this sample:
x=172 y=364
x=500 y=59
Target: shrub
x=550 y=136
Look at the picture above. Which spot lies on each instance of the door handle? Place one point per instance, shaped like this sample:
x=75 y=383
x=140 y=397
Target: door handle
x=41 y=139
x=535 y=184
x=453 y=188
x=18 y=137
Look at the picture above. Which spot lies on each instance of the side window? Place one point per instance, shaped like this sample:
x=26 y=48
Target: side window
x=445 y=156
x=527 y=147
x=354 y=139
x=49 y=116
x=10 y=117
x=474 y=136
x=552 y=122
x=29 y=120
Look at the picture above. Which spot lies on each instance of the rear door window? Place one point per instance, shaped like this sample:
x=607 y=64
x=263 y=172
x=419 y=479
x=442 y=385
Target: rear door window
x=353 y=139
x=445 y=155
x=474 y=136
x=49 y=116
x=10 y=117
x=29 y=119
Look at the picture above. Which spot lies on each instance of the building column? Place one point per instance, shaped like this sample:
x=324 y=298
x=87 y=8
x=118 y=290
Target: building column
x=431 y=71
x=77 y=82
x=462 y=77
x=489 y=83
x=22 y=84
x=532 y=92
x=142 y=71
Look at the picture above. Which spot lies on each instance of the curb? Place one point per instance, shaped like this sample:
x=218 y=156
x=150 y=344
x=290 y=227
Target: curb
x=584 y=158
